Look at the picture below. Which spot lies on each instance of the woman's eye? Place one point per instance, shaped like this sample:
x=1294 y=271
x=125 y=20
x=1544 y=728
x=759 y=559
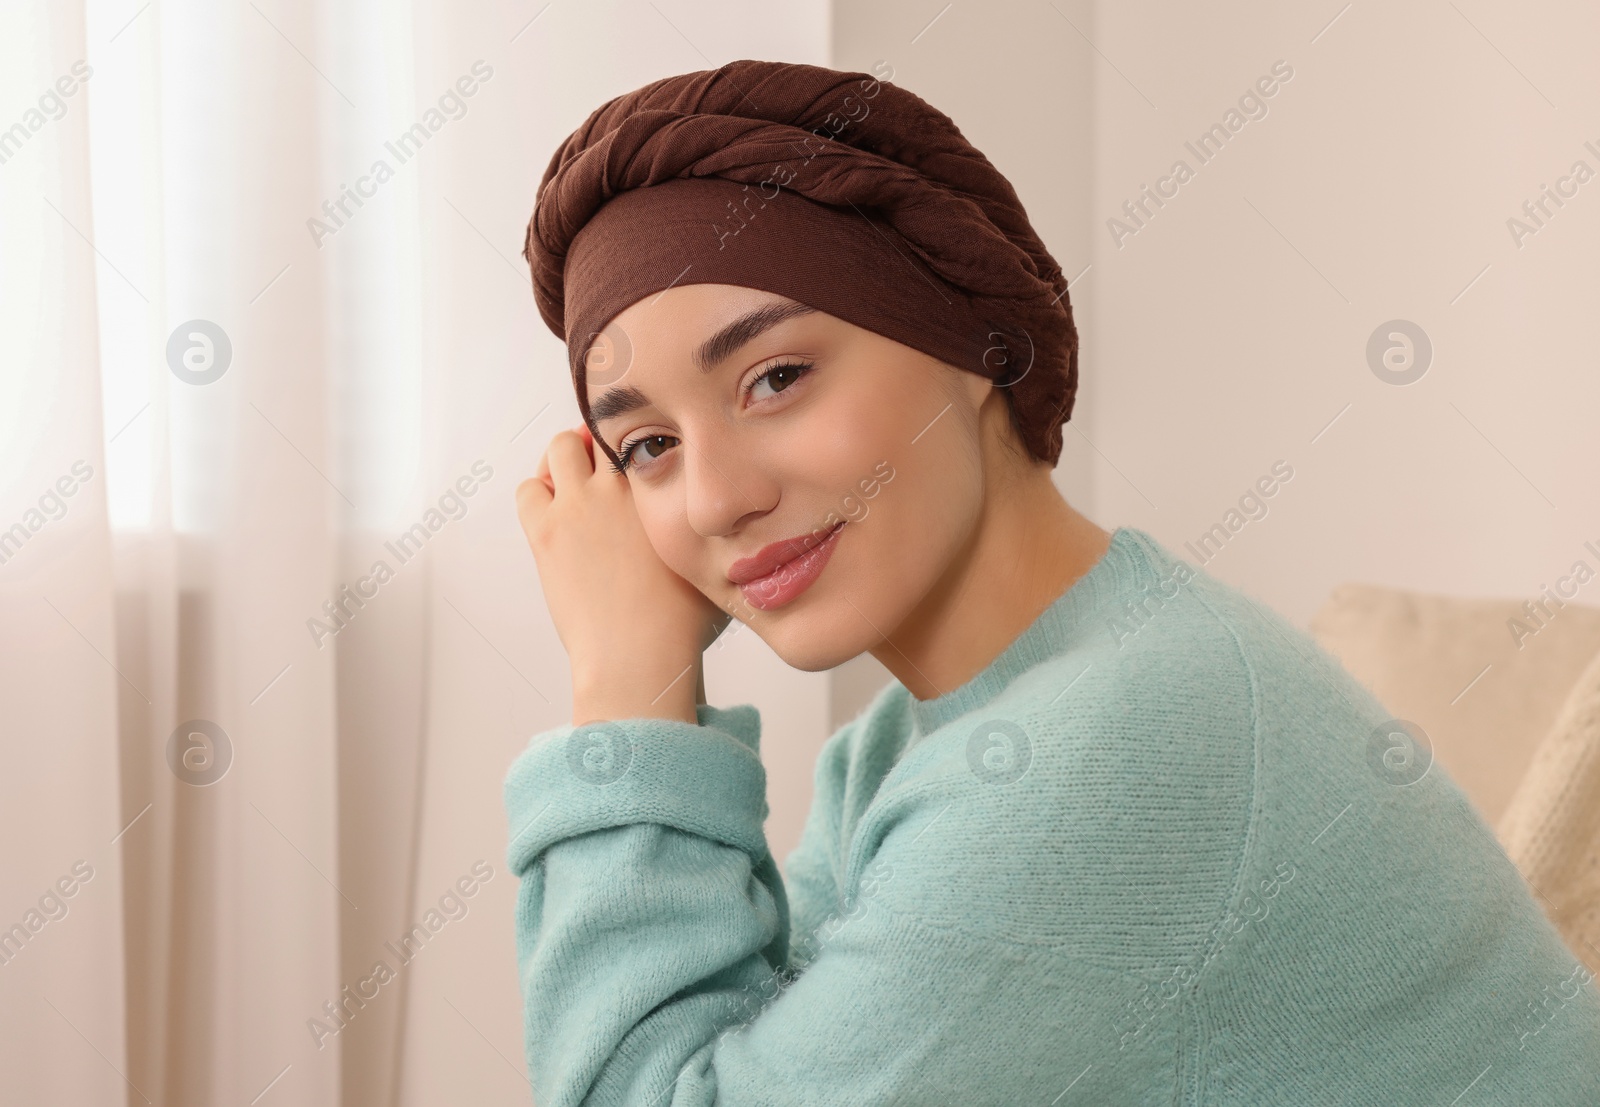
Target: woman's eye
x=651 y=445
x=779 y=377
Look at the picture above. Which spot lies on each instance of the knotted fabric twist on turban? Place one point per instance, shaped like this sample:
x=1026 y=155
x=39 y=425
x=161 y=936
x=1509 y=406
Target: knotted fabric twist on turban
x=838 y=190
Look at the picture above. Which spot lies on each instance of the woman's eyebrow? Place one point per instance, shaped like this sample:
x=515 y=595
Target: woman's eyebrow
x=710 y=353
x=617 y=401
x=726 y=342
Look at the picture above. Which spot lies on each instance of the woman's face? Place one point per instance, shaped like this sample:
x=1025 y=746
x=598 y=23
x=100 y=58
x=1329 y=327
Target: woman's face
x=744 y=419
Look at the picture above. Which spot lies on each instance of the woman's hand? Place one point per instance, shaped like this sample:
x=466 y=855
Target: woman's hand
x=634 y=630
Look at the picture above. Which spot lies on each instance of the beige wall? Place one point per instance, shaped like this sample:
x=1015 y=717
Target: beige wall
x=1230 y=331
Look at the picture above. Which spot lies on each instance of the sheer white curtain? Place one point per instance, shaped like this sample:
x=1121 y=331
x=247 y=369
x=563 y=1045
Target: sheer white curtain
x=246 y=408
x=62 y=978
x=269 y=373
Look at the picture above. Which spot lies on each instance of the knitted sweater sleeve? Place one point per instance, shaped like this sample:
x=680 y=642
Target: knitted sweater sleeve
x=811 y=870
x=653 y=943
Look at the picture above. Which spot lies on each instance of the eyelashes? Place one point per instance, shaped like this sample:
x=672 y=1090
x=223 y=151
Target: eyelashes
x=803 y=366
x=626 y=449
x=625 y=453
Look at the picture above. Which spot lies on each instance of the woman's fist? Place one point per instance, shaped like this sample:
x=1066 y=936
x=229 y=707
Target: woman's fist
x=633 y=629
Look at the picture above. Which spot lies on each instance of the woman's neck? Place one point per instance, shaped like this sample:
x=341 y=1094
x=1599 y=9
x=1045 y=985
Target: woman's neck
x=1028 y=548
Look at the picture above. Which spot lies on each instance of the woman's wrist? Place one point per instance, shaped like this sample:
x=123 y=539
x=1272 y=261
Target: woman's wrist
x=599 y=697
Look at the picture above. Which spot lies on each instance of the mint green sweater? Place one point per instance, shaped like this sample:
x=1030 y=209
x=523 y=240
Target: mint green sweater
x=1162 y=850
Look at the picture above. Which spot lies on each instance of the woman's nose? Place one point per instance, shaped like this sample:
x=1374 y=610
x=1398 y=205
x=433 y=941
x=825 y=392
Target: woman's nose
x=721 y=487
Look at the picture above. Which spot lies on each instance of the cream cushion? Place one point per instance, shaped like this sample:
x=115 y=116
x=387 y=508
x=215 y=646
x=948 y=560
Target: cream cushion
x=1551 y=828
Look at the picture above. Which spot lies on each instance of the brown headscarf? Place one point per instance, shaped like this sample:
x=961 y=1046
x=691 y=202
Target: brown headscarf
x=838 y=190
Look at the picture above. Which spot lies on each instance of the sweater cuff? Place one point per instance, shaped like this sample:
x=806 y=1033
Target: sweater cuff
x=704 y=778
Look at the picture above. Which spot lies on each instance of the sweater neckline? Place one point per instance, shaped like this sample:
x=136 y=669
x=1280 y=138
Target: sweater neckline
x=1048 y=635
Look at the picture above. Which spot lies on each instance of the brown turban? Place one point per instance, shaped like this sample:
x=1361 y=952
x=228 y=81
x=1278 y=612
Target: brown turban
x=837 y=190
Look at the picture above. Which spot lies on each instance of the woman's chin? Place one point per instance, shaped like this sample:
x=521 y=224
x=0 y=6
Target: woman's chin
x=814 y=645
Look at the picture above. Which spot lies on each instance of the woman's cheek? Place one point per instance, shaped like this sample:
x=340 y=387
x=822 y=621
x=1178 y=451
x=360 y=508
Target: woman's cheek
x=675 y=544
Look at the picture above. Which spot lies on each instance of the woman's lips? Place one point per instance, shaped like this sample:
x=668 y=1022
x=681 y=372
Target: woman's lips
x=780 y=583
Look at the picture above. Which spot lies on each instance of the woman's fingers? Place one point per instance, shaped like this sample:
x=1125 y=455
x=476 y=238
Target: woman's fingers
x=568 y=458
x=533 y=498
x=543 y=471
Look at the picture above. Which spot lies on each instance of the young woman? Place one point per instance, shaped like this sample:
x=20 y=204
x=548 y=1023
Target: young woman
x=1113 y=835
